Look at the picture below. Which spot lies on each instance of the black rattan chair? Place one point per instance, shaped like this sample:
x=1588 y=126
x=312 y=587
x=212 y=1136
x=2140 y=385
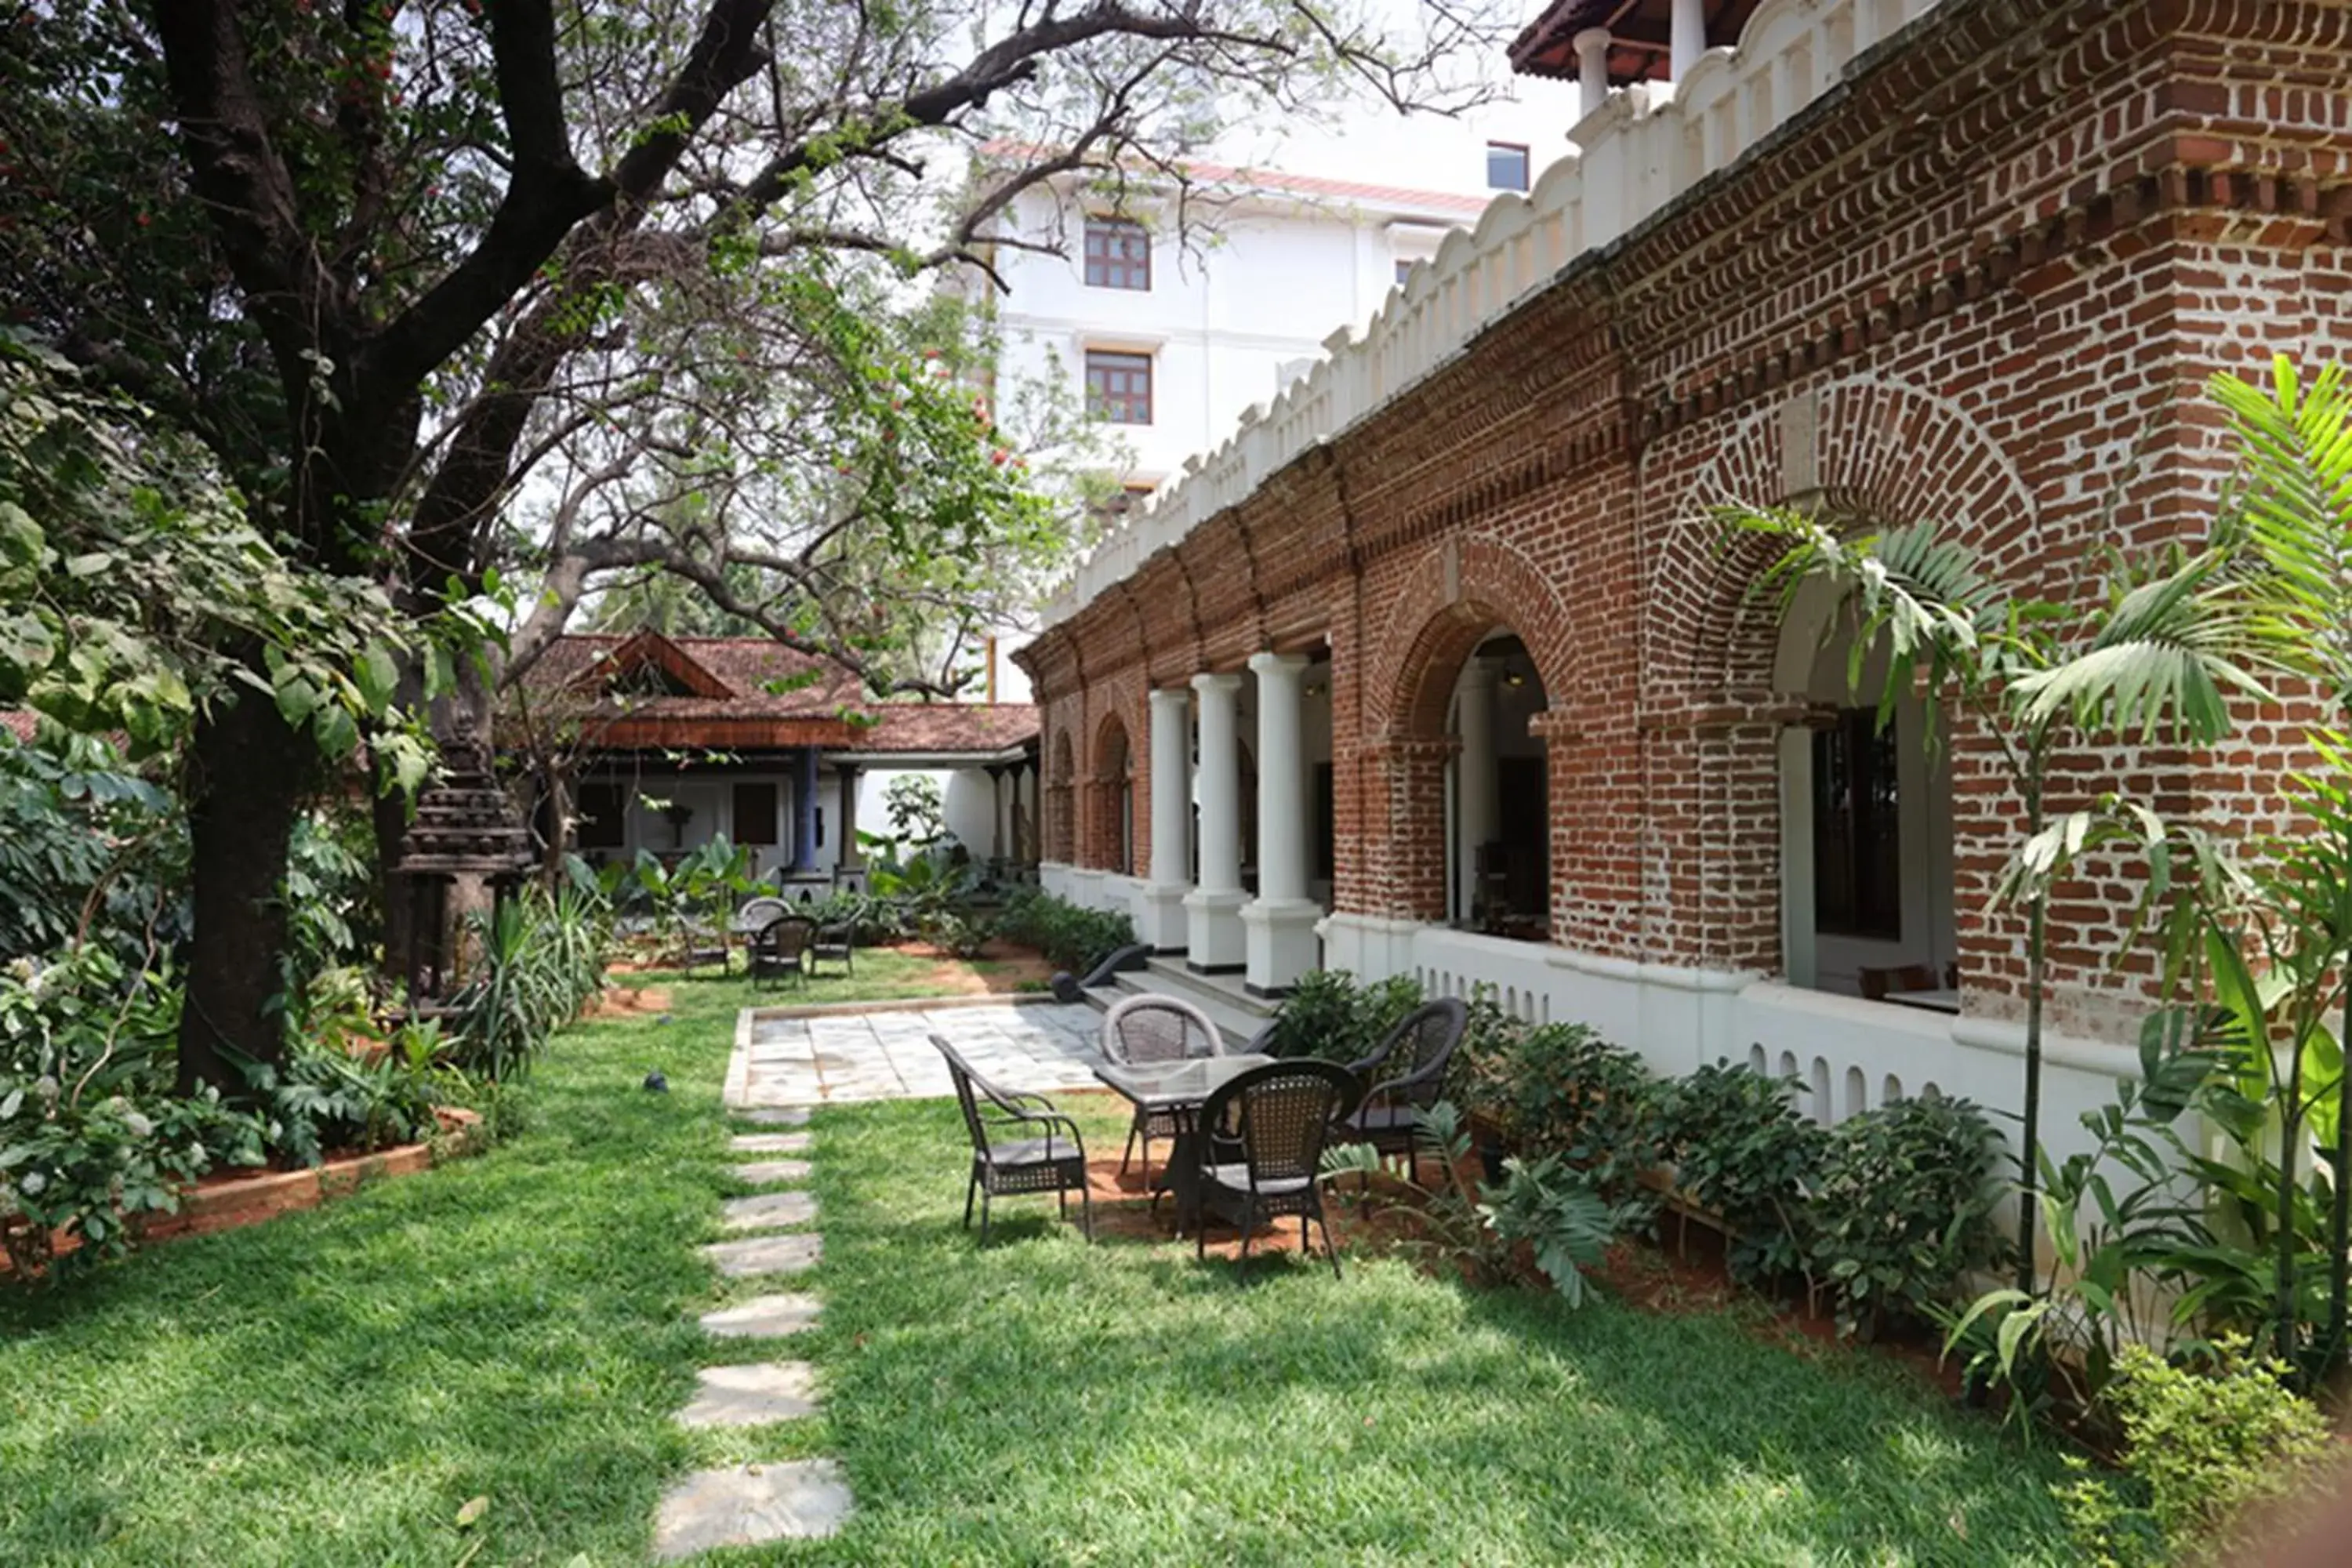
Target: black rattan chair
x=1002 y=1165
x=1140 y=1030
x=1281 y=1115
x=1407 y=1072
x=782 y=947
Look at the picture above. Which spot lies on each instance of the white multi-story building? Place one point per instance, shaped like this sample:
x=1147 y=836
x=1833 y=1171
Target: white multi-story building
x=1165 y=337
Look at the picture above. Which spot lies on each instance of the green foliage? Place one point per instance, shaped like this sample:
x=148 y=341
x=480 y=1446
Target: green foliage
x=1070 y=938
x=918 y=816
x=689 y=897
x=1543 y=1205
x=957 y=936
x=322 y=1100
x=1561 y=1089
x=541 y=958
x=2200 y=1447
x=131 y=581
x=1331 y=1015
x=1900 y=1210
x=84 y=839
x=89 y=1137
x=1741 y=1148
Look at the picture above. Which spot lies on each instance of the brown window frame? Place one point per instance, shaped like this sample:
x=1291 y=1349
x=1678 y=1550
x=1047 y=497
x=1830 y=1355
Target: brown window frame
x=1118 y=253
x=775 y=800
x=1857 y=828
x=1123 y=406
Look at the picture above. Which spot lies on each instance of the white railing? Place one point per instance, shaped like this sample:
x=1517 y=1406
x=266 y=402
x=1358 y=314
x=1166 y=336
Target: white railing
x=1647 y=144
x=1851 y=1054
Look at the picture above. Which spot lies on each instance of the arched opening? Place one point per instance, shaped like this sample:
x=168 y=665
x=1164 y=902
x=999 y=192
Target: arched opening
x=1113 y=833
x=1866 y=874
x=1499 y=816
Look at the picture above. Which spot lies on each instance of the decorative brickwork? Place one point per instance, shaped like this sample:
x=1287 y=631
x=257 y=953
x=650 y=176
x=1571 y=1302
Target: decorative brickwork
x=1983 y=282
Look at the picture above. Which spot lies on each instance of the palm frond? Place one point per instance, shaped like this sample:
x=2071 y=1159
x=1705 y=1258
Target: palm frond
x=2293 y=501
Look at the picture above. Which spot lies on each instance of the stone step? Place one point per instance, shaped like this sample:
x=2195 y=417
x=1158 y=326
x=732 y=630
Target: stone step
x=775 y=1115
x=763 y=1317
x=750 y=1505
x=752 y=1396
x=1170 y=976
x=771 y=1143
x=768 y=1211
x=769 y=1173
x=793 y=1253
x=1238 y=1027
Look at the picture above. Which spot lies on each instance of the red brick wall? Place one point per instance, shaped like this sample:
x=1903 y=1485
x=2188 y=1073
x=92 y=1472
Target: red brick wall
x=1984 y=285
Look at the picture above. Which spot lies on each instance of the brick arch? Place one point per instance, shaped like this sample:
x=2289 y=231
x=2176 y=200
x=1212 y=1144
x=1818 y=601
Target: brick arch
x=1110 y=777
x=1868 y=447
x=1463 y=591
x=1468 y=587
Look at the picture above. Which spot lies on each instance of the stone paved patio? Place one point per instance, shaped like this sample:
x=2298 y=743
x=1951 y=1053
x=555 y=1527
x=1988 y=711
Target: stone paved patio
x=888 y=1055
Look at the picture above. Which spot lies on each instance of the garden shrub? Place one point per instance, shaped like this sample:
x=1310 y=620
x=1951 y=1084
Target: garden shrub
x=541 y=959
x=1069 y=937
x=1561 y=1088
x=1900 y=1210
x=2201 y=1447
x=1330 y=1015
x=1741 y=1148
x=91 y=1135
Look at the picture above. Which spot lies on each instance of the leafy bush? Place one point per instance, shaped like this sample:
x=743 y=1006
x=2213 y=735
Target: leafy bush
x=541 y=959
x=1562 y=1090
x=1069 y=937
x=2200 y=1447
x=84 y=844
x=1329 y=1014
x=957 y=935
x=1741 y=1148
x=89 y=1136
x=1543 y=1203
x=871 y=921
x=1901 y=1209
x=323 y=1099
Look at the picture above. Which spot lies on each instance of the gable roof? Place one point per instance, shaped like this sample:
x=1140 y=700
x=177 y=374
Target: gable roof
x=752 y=693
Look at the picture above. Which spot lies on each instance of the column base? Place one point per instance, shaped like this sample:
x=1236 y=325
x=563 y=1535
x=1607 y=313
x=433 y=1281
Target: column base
x=1280 y=944
x=1160 y=918
x=1213 y=943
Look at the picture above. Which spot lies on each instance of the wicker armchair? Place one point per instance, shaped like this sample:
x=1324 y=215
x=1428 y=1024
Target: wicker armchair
x=1281 y=1115
x=1407 y=1072
x=782 y=947
x=1002 y=1165
x=753 y=918
x=1140 y=1030
x=836 y=943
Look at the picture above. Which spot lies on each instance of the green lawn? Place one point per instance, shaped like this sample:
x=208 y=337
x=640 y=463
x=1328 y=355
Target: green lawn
x=333 y=1387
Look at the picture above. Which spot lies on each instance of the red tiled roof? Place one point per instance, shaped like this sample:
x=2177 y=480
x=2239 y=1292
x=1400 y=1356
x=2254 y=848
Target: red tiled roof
x=775 y=696
x=1296 y=185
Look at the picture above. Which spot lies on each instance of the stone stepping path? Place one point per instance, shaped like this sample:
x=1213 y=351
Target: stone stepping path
x=770 y=1143
x=772 y=1172
x=775 y=1115
x=793 y=1253
x=745 y=1505
x=767 y=1211
x=763 y=1317
x=752 y=1396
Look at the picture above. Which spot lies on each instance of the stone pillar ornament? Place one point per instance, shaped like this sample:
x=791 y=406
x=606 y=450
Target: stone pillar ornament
x=1591 y=69
x=1213 y=909
x=1279 y=924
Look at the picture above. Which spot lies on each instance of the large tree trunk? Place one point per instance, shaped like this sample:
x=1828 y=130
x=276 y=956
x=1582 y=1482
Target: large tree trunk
x=252 y=772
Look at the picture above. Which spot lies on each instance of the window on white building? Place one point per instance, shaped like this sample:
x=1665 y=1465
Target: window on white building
x=1506 y=166
x=598 y=821
x=755 y=813
x=1403 y=270
x=1118 y=387
x=1119 y=254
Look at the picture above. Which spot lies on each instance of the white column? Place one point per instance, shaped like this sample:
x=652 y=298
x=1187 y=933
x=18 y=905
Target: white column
x=1688 y=38
x=1480 y=809
x=1280 y=923
x=1591 y=69
x=1212 y=911
x=1164 y=921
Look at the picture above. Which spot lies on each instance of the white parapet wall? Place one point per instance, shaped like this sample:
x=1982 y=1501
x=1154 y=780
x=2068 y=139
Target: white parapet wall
x=1645 y=146
x=1850 y=1055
